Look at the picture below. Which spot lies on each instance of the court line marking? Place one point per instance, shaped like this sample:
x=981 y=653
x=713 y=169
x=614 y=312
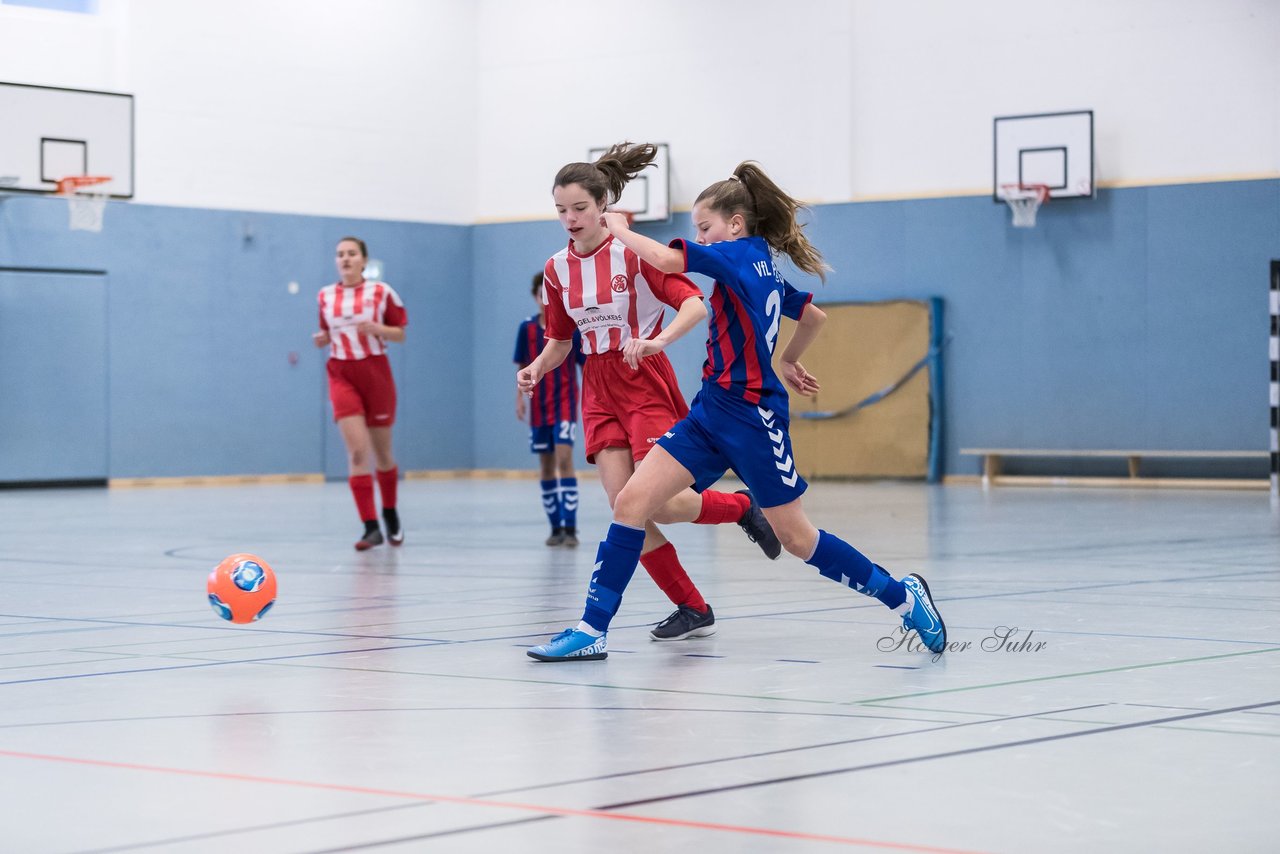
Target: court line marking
x=791 y=713
x=270 y=660
x=814 y=701
x=1213 y=730
x=1064 y=676
x=948 y=754
x=542 y=809
x=421 y=837
x=213 y=834
x=949 y=725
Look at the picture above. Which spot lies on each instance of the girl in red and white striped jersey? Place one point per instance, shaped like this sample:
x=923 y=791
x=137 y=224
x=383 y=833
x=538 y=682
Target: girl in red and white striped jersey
x=598 y=287
x=357 y=318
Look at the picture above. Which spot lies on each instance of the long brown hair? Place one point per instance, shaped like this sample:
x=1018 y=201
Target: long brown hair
x=767 y=211
x=605 y=178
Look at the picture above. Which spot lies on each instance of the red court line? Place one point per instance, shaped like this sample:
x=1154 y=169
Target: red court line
x=483 y=802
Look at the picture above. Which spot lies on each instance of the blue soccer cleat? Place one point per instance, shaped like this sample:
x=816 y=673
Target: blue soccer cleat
x=923 y=617
x=571 y=645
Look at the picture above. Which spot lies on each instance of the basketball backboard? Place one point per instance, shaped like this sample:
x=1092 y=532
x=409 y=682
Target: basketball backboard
x=1053 y=149
x=47 y=134
x=648 y=195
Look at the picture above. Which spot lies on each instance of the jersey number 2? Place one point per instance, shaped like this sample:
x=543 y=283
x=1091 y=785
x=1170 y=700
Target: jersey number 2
x=773 y=310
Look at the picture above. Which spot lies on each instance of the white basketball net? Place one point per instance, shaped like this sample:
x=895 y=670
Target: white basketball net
x=86 y=205
x=1024 y=202
x=86 y=208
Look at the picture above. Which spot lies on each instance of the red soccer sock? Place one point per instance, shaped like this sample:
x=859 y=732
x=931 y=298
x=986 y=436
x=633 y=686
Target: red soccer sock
x=387 y=481
x=721 y=507
x=664 y=567
x=362 y=491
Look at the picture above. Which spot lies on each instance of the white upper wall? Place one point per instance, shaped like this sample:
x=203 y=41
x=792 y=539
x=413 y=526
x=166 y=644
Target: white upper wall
x=364 y=109
x=720 y=80
x=1181 y=90
x=458 y=111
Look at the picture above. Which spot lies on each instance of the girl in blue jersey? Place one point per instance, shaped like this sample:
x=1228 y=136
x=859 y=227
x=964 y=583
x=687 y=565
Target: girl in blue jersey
x=552 y=415
x=740 y=417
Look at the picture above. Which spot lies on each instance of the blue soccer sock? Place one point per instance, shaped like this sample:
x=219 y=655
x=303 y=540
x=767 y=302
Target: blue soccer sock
x=569 y=503
x=839 y=561
x=551 y=503
x=616 y=562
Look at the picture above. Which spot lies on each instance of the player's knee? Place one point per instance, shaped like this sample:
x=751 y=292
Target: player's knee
x=628 y=507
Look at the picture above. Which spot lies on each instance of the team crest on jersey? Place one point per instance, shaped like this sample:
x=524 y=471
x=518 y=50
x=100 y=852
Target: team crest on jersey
x=619 y=283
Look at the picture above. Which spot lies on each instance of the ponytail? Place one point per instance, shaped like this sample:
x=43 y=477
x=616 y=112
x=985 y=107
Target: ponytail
x=767 y=211
x=606 y=178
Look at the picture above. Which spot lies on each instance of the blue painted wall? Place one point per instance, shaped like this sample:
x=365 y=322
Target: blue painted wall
x=1137 y=319
x=201 y=325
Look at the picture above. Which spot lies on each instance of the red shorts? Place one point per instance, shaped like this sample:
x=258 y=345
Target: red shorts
x=625 y=408
x=363 y=387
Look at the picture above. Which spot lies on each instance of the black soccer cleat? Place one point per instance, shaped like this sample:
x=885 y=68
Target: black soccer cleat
x=395 y=534
x=683 y=623
x=369 y=540
x=758 y=529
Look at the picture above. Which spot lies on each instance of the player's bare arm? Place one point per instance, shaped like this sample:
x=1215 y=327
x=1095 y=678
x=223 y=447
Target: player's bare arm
x=321 y=338
x=551 y=357
x=692 y=314
x=665 y=258
x=794 y=374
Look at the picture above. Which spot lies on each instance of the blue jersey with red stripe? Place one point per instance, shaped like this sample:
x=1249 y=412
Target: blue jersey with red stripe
x=555 y=397
x=747 y=305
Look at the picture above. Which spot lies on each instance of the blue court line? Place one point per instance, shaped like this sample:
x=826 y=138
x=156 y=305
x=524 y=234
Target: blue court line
x=841 y=715
x=97 y=625
x=896 y=666
x=435 y=834
x=254 y=828
x=268 y=660
x=949 y=754
x=1136 y=545
x=799 y=749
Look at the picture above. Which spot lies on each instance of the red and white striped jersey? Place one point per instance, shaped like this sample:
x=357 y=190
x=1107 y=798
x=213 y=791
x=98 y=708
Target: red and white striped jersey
x=343 y=308
x=610 y=296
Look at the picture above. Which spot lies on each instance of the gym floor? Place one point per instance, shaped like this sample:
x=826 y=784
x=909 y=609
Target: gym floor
x=1114 y=682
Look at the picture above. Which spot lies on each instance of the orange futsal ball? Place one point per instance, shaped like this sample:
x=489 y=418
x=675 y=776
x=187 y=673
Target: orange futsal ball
x=242 y=588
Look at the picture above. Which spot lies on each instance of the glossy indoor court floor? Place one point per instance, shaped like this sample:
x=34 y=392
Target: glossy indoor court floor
x=387 y=704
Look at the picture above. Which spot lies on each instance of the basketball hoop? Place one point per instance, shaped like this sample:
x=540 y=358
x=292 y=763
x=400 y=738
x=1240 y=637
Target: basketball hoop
x=1024 y=200
x=86 y=197
x=7 y=181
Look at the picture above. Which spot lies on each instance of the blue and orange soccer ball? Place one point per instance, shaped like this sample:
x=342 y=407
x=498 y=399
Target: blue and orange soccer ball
x=242 y=588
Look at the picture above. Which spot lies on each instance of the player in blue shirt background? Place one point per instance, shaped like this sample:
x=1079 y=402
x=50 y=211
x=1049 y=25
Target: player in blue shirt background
x=552 y=414
x=739 y=420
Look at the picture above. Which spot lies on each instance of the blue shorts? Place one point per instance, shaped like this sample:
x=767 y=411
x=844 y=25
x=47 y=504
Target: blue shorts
x=723 y=433
x=542 y=439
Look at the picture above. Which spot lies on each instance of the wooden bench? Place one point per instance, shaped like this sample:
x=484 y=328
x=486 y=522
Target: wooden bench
x=992 y=457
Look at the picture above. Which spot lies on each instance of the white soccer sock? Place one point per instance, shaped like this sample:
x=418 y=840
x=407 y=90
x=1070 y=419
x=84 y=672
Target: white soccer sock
x=906 y=606
x=595 y=633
